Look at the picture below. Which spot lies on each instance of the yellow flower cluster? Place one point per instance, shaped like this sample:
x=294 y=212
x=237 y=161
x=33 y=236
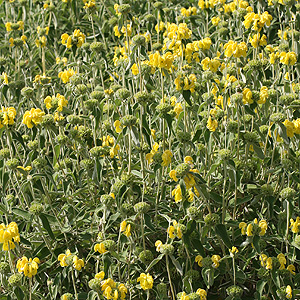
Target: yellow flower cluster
x=8 y=235
x=28 y=267
x=174 y=230
x=282 y=261
x=33 y=117
x=186 y=83
x=146 y=281
x=59 y=100
x=257 y=21
x=42 y=40
x=149 y=156
x=100 y=248
x=164 y=61
x=111 y=289
x=295 y=225
x=201 y=292
x=292 y=127
x=210 y=64
x=289 y=292
x=66 y=75
x=256 y=40
x=191 y=11
x=266 y=262
x=216 y=261
x=251 y=228
x=20 y=26
x=78 y=264
x=234 y=49
x=177 y=32
x=77 y=38
x=288 y=58
x=7 y=116
x=89 y=4
x=212 y=124
x=125 y=228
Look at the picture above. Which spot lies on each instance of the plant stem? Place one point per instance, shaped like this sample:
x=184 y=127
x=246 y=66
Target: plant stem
x=169 y=276
x=74 y=286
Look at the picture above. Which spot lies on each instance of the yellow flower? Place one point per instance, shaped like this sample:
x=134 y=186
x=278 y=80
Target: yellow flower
x=292 y=269
x=166 y=157
x=290 y=127
x=263 y=95
x=211 y=124
x=100 y=248
x=215 y=20
x=135 y=69
x=116 y=31
x=27 y=169
x=158 y=244
x=184 y=296
x=129 y=30
x=100 y=275
x=62 y=102
x=153 y=134
x=288 y=58
x=282 y=261
x=234 y=49
x=8 y=235
x=8 y=116
x=249 y=230
x=171 y=232
x=233 y=251
x=118 y=126
x=114 y=151
x=178 y=109
x=77 y=263
x=198 y=260
x=289 y=292
x=5 y=78
x=216 y=261
x=174 y=230
x=177 y=193
x=263 y=227
x=269 y=263
x=263 y=258
x=48 y=101
x=62 y=258
x=146 y=281
x=295 y=225
x=33 y=117
x=8 y=26
x=28 y=267
x=125 y=228
x=202 y=293
x=66 y=75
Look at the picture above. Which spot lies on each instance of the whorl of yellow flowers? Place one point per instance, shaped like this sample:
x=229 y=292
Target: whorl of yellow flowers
x=28 y=267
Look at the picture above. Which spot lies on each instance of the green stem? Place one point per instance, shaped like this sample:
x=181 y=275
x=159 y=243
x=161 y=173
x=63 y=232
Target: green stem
x=74 y=285
x=169 y=276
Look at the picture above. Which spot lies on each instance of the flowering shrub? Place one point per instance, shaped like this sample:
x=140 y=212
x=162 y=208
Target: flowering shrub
x=149 y=150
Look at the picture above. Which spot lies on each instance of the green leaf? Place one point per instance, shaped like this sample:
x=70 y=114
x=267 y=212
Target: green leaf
x=176 y=264
x=47 y=226
x=258 y=151
x=154 y=262
x=22 y=213
x=19 y=293
x=187 y=95
x=255 y=242
x=222 y=232
x=198 y=245
x=260 y=287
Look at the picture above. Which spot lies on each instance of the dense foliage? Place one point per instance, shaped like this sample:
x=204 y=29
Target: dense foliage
x=149 y=150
